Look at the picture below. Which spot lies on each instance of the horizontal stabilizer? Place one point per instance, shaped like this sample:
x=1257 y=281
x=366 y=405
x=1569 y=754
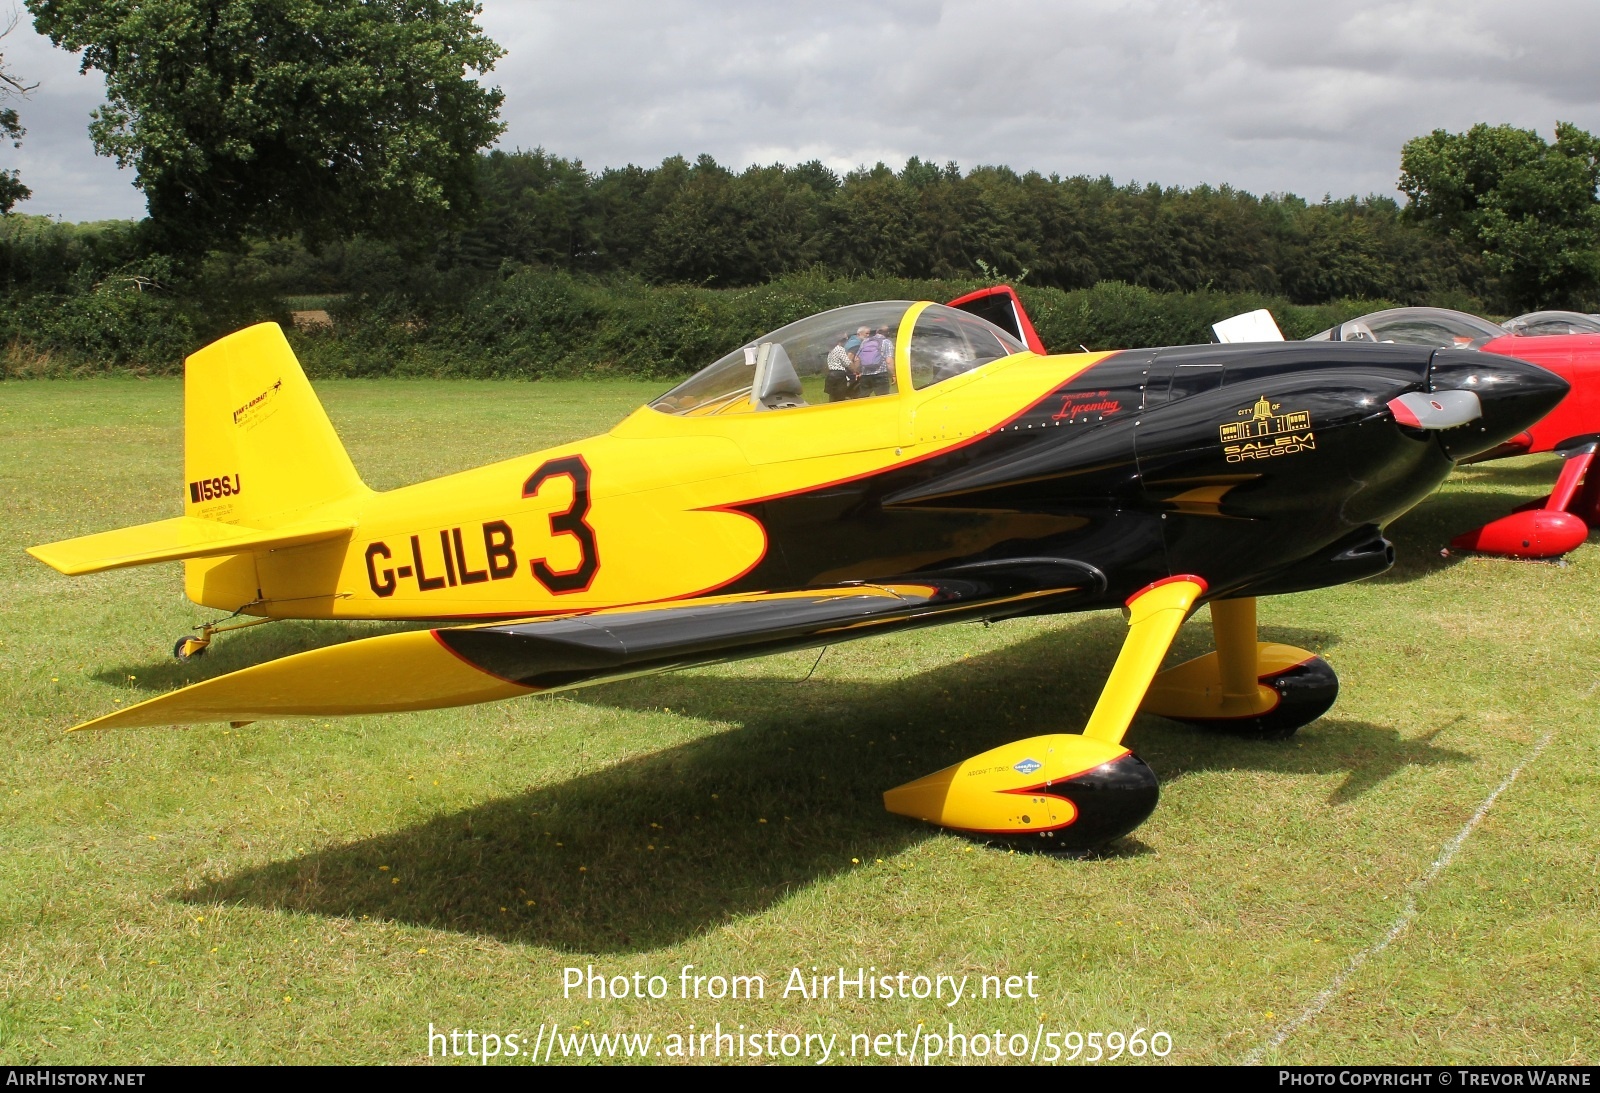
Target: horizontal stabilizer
x=175 y=539
x=458 y=666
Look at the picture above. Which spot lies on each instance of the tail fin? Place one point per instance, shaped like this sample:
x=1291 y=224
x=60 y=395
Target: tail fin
x=260 y=460
x=258 y=448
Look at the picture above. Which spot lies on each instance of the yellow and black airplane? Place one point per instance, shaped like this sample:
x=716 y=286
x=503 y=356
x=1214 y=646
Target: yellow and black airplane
x=874 y=468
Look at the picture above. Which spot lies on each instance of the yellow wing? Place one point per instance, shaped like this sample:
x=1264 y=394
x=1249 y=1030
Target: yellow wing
x=458 y=666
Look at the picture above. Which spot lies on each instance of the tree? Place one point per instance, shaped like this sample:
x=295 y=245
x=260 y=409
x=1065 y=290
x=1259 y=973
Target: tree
x=871 y=221
x=532 y=209
x=1528 y=207
x=275 y=117
x=11 y=188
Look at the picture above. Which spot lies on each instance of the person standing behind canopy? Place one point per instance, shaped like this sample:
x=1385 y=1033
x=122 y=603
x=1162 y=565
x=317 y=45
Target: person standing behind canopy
x=836 y=385
x=876 y=379
x=851 y=344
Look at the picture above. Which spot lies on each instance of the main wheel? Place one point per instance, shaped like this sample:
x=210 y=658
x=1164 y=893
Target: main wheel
x=1062 y=791
x=1105 y=803
x=1306 y=691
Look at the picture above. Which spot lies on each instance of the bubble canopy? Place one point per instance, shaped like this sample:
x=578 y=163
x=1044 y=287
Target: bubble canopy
x=1540 y=324
x=1435 y=326
x=841 y=355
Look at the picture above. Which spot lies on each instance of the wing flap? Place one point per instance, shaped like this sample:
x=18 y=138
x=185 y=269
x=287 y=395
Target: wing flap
x=459 y=666
x=176 y=539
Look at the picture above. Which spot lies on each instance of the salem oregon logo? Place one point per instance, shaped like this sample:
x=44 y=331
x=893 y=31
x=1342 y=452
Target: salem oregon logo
x=1266 y=433
x=1027 y=766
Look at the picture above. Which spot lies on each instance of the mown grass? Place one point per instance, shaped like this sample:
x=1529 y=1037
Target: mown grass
x=320 y=891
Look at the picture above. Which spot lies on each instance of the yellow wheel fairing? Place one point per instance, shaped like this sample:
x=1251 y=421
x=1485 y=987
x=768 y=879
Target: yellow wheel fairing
x=1258 y=689
x=1001 y=790
x=1194 y=689
x=1078 y=790
x=1294 y=688
x=1057 y=792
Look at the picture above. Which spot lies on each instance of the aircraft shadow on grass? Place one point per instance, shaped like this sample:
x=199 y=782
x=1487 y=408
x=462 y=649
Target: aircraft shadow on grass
x=661 y=847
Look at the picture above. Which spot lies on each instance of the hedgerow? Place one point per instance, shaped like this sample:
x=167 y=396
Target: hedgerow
x=533 y=323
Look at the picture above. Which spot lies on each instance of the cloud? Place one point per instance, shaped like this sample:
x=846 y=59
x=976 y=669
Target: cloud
x=1313 y=98
x=56 y=159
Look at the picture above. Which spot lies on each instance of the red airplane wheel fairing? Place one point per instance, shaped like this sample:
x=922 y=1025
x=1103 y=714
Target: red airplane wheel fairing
x=1533 y=533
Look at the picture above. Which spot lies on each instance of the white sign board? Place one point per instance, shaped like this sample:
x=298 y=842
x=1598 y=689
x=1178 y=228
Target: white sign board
x=1252 y=326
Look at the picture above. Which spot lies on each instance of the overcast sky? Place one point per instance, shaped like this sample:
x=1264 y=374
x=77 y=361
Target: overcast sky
x=1311 y=97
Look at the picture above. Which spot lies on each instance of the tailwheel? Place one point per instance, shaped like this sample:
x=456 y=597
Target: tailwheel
x=1248 y=688
x=187 y=648
x=1068 y=792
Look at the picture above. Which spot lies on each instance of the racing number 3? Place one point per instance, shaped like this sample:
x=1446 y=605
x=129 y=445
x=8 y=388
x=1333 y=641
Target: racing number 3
x=568 y=522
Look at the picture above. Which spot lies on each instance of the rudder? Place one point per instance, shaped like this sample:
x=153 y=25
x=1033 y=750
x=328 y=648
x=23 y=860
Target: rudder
x=258 y=446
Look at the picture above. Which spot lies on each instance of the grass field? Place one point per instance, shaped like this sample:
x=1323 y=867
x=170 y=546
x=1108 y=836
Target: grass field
x=323 y=891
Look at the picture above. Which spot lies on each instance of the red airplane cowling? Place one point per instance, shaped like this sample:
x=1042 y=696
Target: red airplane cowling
x=1532 y=533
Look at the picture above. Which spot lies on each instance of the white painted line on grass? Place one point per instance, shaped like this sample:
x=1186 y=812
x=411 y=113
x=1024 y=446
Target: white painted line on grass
x=1407 y=913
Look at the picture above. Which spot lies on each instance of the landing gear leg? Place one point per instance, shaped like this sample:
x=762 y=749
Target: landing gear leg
x=187 y=647
x=1065 y=791
x=1246 y=687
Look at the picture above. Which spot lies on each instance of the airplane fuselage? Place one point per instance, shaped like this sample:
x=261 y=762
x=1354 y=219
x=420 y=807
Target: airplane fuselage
x=1270 y=469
